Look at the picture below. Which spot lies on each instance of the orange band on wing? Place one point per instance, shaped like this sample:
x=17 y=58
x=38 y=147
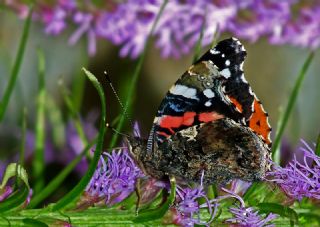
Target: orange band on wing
x=259 y=121
x=236 y=103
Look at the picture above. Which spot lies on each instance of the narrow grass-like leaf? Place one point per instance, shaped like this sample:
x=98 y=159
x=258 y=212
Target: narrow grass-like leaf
x=283 y=211
x=56 y=120
x=22 y=143
x=23 y=137
x=159 y=212
x=15 y=200
x=276 y=153
x=79 y=188
x=198 y=46
x=78 y=87
x=16 y=67
x=291 y=102
x=14 y=170
x=135 y=76
x=72 y=110
x=58 y=180
x=318 y=146
x=38 y=164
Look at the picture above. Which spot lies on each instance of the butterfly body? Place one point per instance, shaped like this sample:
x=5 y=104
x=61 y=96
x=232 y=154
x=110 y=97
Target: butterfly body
x=209 y=122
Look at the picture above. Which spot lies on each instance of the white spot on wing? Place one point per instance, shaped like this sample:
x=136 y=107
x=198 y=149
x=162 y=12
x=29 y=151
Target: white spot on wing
x=222 y=55
x=214 y=51
x=184 y=91
x=226 y=73
x=208 y=93
x=208 y=103
x=227 y=62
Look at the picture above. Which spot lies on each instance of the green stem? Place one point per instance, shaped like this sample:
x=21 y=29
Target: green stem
x=291 y=102
x=318 y=145
x=79 y=188
x=199 y=41
x=16 y=67
x=136 y=74
x=39 y=162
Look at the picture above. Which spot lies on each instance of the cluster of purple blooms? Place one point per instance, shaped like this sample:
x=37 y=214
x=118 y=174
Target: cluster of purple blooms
x=115 y=179
x=129 y=23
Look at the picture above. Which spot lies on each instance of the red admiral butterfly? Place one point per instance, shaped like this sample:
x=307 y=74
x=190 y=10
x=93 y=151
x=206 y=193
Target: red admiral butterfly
x=209 y=121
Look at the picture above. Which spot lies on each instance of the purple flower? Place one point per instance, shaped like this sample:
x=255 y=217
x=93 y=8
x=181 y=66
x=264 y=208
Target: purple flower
x=299 y=179
x=115 y=178
x=86 y=26
x=248 y=217
x=262 y=17
x=177 y=31
x=304 y=31
x=55 y=17
x=187 y=208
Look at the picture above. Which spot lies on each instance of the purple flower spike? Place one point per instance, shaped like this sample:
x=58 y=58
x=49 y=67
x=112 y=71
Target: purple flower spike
x=115 y=178
x=299 y=179
x=187 y=207
x=247 y=217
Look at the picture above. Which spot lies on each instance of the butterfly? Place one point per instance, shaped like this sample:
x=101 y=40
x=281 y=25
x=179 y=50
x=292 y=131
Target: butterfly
x=210 y=126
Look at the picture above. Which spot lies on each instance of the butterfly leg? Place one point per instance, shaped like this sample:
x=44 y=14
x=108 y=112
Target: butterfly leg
x=138 y=192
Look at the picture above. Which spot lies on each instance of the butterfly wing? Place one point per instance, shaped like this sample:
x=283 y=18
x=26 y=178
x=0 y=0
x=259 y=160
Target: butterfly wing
x=211 y=89
x=229 y=55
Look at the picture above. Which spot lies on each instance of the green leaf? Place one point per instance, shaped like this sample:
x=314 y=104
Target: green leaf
x=159 y=212
x=291 y=102
x=283 y=211
x=38 y=164
x=58 y=180
x=79 y=188
x=16 y=67
x=135 y=76
x=56 y=120
x=14 y=170
x=15 y=200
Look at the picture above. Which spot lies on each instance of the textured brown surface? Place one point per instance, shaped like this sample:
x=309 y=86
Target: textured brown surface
x=223 y=149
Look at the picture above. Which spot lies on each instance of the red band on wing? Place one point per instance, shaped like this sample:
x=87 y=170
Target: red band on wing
x=209 y=116
x=170 y=122
x=259 y=122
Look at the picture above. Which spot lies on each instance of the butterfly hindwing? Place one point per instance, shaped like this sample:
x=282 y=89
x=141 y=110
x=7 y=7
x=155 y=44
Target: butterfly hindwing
x=229 y=55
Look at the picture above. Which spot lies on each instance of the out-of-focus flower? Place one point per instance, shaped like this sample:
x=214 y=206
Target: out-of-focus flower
x=258 y=18
x=299 y=179
x=114 y=179
x=248 y=217
x=304 y=31
x=128 y=23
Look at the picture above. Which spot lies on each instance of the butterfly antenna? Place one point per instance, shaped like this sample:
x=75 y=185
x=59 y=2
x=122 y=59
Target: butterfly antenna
x=116 y=131
x=118 y=98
